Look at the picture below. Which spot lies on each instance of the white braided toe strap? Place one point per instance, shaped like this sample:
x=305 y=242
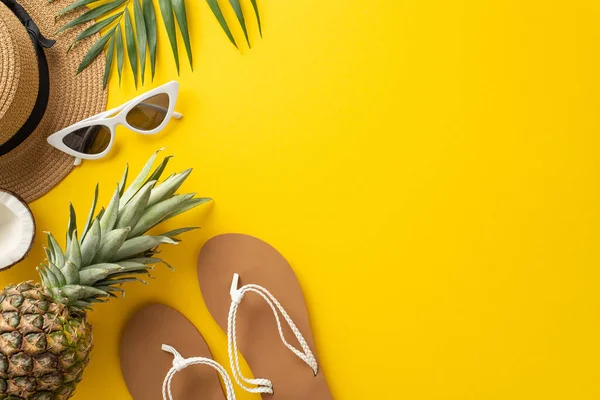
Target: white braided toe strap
x=262 y=385
x=180 y=363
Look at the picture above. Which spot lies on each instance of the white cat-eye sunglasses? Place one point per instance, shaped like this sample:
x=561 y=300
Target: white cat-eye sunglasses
x=93 y=137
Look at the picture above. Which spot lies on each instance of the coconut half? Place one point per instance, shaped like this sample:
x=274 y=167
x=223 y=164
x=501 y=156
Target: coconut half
x=17 y=229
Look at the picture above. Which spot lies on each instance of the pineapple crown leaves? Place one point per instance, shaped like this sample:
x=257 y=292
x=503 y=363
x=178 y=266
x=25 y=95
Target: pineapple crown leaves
x=113 y=247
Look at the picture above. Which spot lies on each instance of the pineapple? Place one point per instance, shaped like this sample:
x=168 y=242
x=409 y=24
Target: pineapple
x=45 y=336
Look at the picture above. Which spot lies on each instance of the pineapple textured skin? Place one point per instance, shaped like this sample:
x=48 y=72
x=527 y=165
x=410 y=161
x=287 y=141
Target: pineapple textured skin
x=44 y=345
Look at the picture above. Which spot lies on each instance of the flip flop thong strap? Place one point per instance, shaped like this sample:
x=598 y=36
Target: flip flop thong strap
x=180 y=363
x=262 y=385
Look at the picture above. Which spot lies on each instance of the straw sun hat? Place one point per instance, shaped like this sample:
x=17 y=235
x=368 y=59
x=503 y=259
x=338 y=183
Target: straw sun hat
x=40 y=93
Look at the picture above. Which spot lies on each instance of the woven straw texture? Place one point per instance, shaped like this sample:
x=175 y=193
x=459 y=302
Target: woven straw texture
x=18 y=76
x=35 y=167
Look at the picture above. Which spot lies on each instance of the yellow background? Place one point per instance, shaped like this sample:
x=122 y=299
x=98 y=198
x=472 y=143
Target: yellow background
x=429 y=168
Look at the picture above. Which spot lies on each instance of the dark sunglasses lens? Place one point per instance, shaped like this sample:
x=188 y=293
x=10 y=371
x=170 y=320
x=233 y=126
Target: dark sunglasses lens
x=150 y=113
x=89 y=140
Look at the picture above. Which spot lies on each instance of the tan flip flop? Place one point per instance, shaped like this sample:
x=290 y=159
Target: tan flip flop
x=154 y=370
x=261 y=316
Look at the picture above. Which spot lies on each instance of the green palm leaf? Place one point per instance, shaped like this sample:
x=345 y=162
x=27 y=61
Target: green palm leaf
x=130 y=41
x=257 y=14
x=93 y=14
x=150 y=21
x=179 y=8
x=120 y=51
x=109 y=62
x=74 y=5
x=237 y=8
x=94 y=51
x=140 y=28
x=166 y=10
x=214 y=6
x=97 y=27
x=140 y=34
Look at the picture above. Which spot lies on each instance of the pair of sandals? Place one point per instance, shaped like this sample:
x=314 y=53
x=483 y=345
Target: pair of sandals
x=254 y=318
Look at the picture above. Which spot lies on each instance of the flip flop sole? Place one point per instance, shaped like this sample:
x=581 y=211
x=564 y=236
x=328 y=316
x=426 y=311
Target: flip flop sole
x=144 y=364
x=258 y=339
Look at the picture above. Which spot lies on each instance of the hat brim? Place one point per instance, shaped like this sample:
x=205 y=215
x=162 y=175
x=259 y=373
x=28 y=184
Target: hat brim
x=35 y=167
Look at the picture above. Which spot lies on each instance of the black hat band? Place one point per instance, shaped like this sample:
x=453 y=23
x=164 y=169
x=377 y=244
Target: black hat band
x=39 y=108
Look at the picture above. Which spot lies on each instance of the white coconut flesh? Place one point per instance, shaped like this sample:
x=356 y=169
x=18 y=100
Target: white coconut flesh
x=17 y=229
